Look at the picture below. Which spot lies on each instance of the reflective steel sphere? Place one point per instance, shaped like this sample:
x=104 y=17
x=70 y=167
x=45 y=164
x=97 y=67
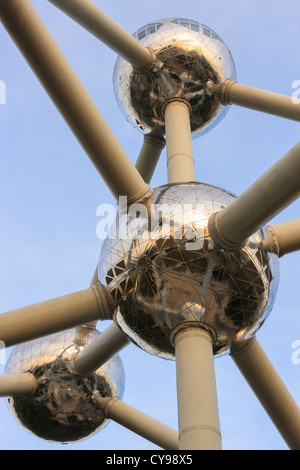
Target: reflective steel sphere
x=189 y=56
x=163 y=269
x=62 y=409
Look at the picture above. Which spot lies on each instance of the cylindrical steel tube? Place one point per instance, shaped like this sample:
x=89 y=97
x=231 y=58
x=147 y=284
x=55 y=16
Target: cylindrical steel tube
x=107 y=30
x=140 y=423
x=93 y=282
x=12 y=385
x=72 y=100
x=99 y=351
x=198 y=416
x=180 y=158
x=154 y=143
x=283 y=238
x=270 y=390
x=269 y=195
x=231 y=92
x=52 y=316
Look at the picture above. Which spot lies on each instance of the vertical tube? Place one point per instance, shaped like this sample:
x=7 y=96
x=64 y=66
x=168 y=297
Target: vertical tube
x=198 y=416
x=154 y=143
x=180 y=159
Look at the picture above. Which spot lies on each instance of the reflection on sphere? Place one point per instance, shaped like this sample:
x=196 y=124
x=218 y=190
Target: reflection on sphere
x=164 y=274
x=62 y=409
x=189 y=56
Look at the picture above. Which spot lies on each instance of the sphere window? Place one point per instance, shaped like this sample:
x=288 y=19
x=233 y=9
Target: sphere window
x=206 y=32
x=150 y=29
x=187 y=66
x=142 y=34
x=189 y=24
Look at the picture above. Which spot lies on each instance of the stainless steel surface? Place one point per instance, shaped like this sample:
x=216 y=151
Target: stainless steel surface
x=63 y=407
x=158 y=283
x=189 y=57
x=164 y=275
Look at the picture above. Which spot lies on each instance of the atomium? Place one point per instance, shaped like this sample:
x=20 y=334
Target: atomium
x=189 y=56
x=189 y=272
x=162 y=269
x=63 y=407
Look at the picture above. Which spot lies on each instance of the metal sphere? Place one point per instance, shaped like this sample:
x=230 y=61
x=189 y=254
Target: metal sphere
x=62 y=409
x=189 y=56
x=163 y=269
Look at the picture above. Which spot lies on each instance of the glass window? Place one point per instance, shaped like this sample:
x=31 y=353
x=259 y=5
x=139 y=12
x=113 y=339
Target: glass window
x=158 y=25
x=141 y=34
x=151 y=29
x=176 y=21
x=206 y=32
x=185 y=23
x=214 y=36
x=194 y=27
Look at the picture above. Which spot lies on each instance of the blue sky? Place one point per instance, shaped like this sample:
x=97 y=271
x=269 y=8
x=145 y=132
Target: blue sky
x=49 y=193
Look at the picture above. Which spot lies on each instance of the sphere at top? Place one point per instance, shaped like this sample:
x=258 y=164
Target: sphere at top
x=189 y=56
x=63 y=407
x=163 y=270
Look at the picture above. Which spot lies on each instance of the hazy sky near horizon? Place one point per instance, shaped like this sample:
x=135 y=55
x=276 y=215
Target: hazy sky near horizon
x=50 y=192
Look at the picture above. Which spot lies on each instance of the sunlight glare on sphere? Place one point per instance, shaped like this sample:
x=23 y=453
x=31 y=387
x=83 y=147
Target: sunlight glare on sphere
x=189 y=57
x=173 y=273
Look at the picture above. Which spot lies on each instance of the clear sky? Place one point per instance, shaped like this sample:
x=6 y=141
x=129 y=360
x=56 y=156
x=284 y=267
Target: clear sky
x=49 y=193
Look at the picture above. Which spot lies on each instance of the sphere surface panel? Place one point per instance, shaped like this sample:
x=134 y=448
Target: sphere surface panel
x=63 y=407
x=189 y=56
x=163 y=269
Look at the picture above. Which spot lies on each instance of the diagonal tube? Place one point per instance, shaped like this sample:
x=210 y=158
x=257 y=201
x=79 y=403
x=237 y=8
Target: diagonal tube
x=269 y=389
x=88 y=15
x=52 y=316
x=17 y=384
x=231 y=92
x=139 y=423
x=269 y=195
x=283 y=238
x=99 y=351
x=72 y=100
